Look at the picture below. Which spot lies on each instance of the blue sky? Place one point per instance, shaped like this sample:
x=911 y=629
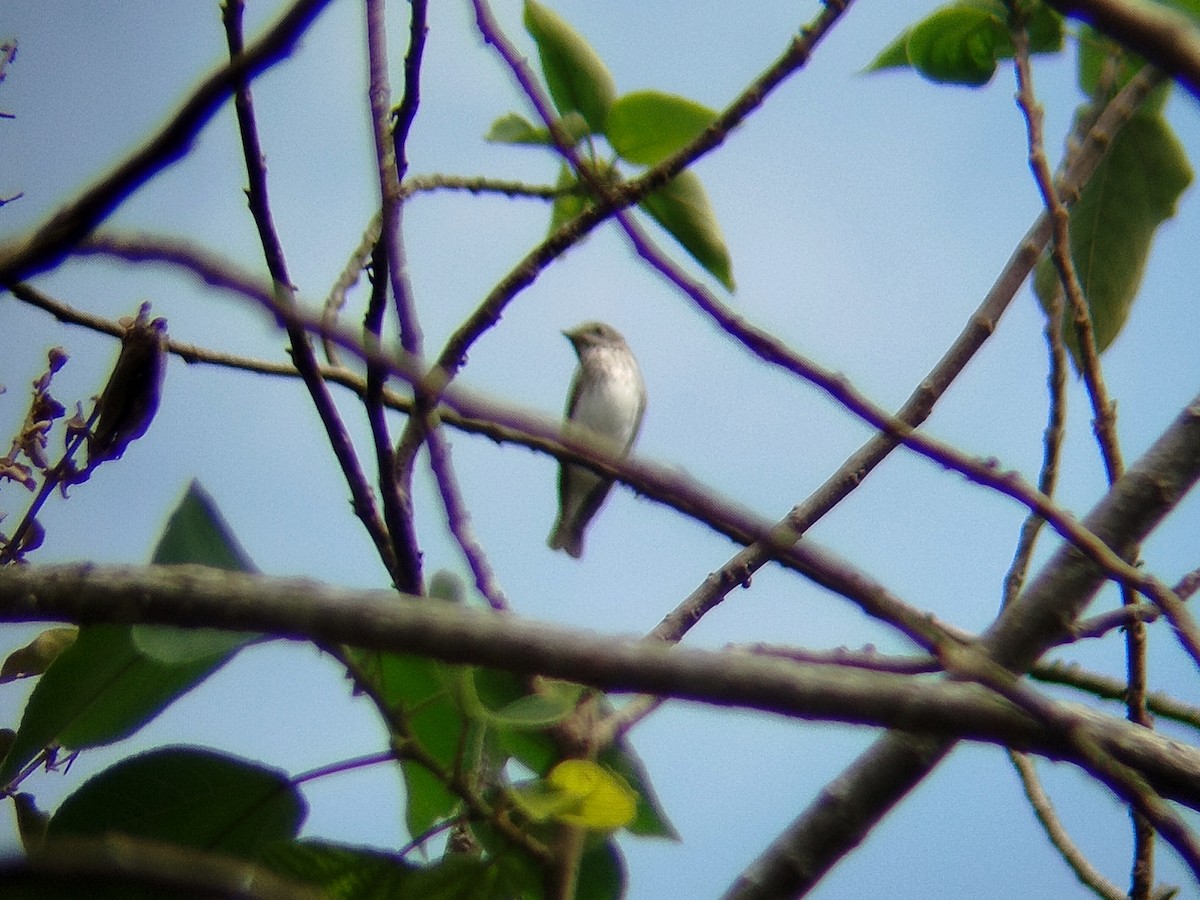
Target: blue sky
x=866 y=217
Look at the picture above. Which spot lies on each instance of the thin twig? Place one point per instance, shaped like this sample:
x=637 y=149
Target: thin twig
x=335 y=301
x=1056 y=381
x=396 y=478
x=1108 y=688
x=1104 y=411
x=1087 y=874
x=478 y=184
x=425 y=425
x=397 y=510
x=302 y=353
x=919 y=405
x=459 y=519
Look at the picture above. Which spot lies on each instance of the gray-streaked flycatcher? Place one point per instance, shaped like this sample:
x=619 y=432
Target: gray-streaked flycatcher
x=607 y=398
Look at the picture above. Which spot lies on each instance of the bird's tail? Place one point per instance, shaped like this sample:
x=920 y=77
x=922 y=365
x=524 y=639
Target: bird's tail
x=563 y=537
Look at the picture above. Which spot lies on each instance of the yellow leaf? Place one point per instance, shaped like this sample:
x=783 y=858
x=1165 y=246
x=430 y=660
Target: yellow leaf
x=600 y=799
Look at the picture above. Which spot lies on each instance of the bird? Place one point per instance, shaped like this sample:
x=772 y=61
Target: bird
x=606 y=401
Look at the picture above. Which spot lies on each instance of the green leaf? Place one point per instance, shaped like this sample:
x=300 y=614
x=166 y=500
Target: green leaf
x=345 y=873
x=651 y=819
x=31 y=821
x=114 y=679
x=536 y=750
x=568 y=204
x=1188 y=7
x=512 y=128
x=579 y=792
x=602 y=874
x=552 y=702
x=961 y=43
x=99 y=690
x=682 y=208
x=197 y=798
x=646 y=127
x=508 y=705
x=423 y=691
x=457 y=877
x=893 y=56
x=577 y=77
x=1134 y=190
x=198 y=534
x=958 y=44
x=1045 y=28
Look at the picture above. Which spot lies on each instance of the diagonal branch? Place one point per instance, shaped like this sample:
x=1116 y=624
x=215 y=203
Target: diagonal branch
x=916 y=409
x=1169 y=39
x=46 y=246
x=850 y=806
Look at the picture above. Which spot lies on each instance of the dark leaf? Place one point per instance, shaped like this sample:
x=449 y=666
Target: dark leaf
x=197 y=798
x=1135 y=189
x=130 y=399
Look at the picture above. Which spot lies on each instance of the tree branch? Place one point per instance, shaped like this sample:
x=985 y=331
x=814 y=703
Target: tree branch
x=919 y=405
x=196 y=596
x=47 y=244
x=849 y=807
x=1169 y=39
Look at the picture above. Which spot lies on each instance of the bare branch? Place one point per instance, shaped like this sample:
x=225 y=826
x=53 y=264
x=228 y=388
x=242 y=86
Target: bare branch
x=920 y=404
x=1169 y=39
x=46 y=245
x=852 y=804
x=1052 y=825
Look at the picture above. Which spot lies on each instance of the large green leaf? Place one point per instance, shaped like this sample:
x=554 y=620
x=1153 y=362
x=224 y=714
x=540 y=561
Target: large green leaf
x=197 y=798
x=1134 y=190
x=577 y=77
x=422 y=692
x=342 y=873
x=99 y=690
x=196 y=533
x=682 y=208
x=961 y=43
x=458 y=877
x=114 y=679
x=646 y=127
x=651 y=819
x=602 y=874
